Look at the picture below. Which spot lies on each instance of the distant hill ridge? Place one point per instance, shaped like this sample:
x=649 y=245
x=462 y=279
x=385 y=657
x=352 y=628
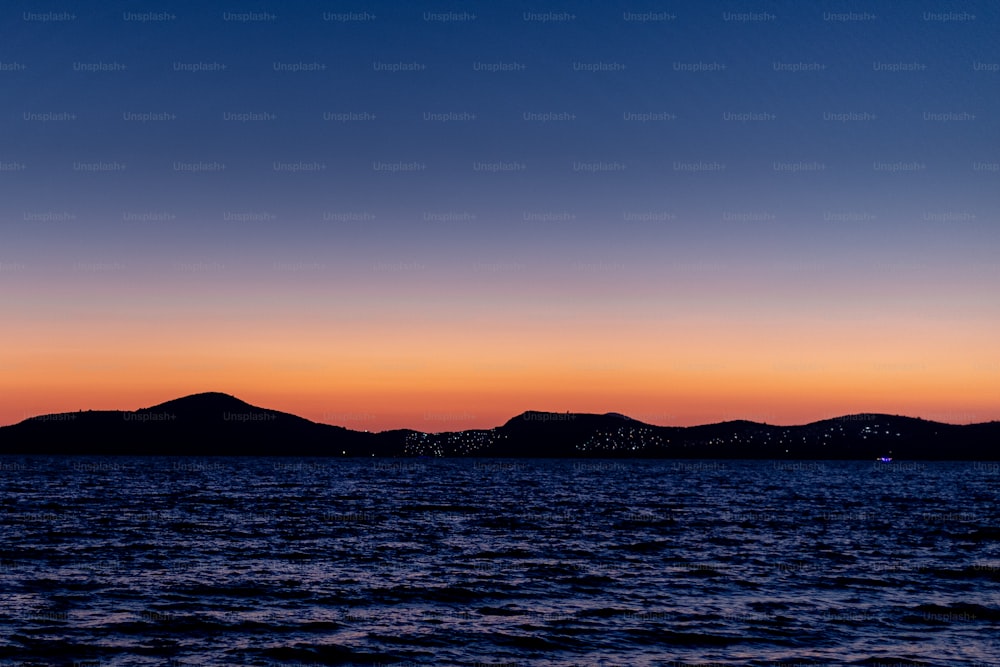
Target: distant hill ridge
x=215 y=423
x=209 y=400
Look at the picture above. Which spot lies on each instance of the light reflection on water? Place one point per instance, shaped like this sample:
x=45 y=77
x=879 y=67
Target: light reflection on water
x=134 y=561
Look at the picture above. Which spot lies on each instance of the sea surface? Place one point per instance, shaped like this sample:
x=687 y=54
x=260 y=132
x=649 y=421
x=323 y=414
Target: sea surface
x=281 y=561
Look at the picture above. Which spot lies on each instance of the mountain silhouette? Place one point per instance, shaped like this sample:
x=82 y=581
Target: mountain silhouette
x=204 y=405
x=210 y=423
x=218 y=424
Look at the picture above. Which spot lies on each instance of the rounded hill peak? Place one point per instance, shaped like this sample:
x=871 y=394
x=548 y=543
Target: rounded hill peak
x=206 y=402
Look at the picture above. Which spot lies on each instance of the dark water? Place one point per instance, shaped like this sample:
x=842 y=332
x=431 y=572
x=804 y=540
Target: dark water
x=154 y=561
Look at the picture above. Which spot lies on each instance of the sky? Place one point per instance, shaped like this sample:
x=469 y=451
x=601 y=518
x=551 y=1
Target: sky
x=440 y=215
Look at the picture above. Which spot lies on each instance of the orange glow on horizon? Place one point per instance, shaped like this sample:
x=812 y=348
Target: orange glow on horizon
x=376 y=371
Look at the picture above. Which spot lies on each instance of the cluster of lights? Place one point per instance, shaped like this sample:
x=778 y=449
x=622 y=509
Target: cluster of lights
x=624 y=439
x=627 y=438
x=873 y=431
x=461 y=443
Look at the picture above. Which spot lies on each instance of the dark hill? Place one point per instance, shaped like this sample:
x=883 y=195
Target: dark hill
x=214 y=423
x=203 y=405
x=201 y=424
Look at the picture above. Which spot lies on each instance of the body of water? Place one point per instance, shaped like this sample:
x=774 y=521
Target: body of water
x=267 y=561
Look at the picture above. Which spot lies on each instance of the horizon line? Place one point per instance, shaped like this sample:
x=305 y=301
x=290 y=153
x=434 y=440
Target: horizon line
x=462 y=413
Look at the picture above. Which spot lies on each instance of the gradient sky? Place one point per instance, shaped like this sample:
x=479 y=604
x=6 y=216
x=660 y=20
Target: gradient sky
x=810 y=231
